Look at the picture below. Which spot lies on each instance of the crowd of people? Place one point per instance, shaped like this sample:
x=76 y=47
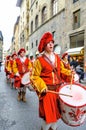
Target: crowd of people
x=47 y=73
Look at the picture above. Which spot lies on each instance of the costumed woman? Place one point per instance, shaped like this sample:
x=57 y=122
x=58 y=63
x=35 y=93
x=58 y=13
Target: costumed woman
x=46 y=77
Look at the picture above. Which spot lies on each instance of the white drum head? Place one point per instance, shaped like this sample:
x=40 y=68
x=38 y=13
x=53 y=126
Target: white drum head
x=78 y=95
x=25 y=79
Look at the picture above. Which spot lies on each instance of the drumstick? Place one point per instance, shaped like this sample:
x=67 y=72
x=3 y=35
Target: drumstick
x=59 y=93
x=71 y=81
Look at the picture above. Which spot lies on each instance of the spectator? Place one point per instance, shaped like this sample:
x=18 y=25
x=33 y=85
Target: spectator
x=0 y=65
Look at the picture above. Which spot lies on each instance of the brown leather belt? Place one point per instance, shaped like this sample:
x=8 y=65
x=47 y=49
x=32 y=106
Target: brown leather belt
x=53 y=87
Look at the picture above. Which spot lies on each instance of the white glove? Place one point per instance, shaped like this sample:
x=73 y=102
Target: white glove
x=17 y=74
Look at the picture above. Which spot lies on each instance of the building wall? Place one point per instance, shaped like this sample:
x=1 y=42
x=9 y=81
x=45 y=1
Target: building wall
x=15 y=42
x=1 y=50
x=23 y=34
x=1 y=46
x=70 y=8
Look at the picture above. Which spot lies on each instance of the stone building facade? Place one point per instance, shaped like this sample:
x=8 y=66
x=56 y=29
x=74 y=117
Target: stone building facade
x=46 y=15
x=75 y=11
x=65 y=19
x=23 y=24
x=15 y=41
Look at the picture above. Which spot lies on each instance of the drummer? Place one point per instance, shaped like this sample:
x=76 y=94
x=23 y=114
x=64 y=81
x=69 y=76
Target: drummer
x=66 y=65
x=21 y=65
x=14 y=57
x=46 y=77
x=7 y=67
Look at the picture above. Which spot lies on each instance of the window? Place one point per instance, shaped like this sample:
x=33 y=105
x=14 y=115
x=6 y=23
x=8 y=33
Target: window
x=36 y=4
x=23 y=38
x=44 y=14
x=36 y=22
x=77 y=40
x=75 y=1
x=36 y=42
x=54 y=7
x=76 y=19
x=32 y=12
x=53 y=33
x=32 y=45
x=31 y=26
x=27 y=48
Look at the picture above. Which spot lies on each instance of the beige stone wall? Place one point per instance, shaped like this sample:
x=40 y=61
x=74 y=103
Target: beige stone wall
x=23 y=26
x=16 y=38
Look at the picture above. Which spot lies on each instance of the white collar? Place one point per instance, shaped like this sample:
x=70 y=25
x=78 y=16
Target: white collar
x=22 y=59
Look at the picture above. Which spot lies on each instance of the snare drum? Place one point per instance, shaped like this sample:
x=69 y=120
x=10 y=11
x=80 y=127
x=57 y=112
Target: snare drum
x=73 y=109
x=25 y=80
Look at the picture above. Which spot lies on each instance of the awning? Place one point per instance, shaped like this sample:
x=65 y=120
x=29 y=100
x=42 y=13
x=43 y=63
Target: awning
x=73 y=51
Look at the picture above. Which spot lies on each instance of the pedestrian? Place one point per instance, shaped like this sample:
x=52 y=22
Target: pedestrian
x=0 y=65
x=80 y=72
x=74 y=62
x=45 y=78
x=21 y=65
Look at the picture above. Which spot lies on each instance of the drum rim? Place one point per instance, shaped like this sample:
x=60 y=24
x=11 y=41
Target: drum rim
x=74 y=106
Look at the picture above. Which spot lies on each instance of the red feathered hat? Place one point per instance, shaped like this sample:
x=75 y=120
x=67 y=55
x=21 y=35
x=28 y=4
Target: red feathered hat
x=14 y=54
x=22 y=49
x=64 y=55
x=46 y=38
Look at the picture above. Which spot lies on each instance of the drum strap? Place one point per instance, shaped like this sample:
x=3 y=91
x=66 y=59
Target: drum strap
x=53 y=67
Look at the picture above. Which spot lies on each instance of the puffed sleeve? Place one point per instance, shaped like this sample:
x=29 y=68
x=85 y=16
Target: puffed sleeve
x=29 y=66
x=15 y=69
x=64 y=70
x=36 y=80
x=9 y=68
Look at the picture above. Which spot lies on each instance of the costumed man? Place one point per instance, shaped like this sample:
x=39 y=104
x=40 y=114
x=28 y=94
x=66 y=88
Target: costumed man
x=7 y=68
x=21 y=65
x=66 y=65
x=12 y=76
x=46 y=77
x=10 y=64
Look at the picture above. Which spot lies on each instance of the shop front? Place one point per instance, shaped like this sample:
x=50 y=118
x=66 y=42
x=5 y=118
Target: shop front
x=78 y=53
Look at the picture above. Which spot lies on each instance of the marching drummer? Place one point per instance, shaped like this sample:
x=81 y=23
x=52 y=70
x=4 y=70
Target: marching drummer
x=66 y=65
x=21 y=65
x=46 y=80
x=14 y=57
x=7 y=67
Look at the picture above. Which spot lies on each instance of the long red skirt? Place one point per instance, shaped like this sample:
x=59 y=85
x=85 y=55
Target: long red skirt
x=48 y=108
